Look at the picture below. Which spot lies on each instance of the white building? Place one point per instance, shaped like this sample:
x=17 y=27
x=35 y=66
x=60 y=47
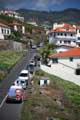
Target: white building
x=5 y=31
x=65 y=35
x=70 y=58
x=78 y=35
x=15 y=26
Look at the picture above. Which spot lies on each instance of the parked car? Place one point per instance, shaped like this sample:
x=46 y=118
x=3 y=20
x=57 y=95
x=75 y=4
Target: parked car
x=37 y=60
x=15 y=94
x=40 y=45
x=20 y=82
x=33 y=62
x=31 y=68
x=34 y=46
x=24 y=75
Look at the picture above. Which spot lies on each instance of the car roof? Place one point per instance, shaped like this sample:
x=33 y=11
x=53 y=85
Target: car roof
x=15 y=87
x=24 y=71
x=19 y=79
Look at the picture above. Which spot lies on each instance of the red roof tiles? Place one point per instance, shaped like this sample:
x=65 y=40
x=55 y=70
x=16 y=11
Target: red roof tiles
x=61 y=29
x=16 y=23
x=70 y=53
x=66 y=25
x=78 y=27
x=66 y=28
x=3 y=25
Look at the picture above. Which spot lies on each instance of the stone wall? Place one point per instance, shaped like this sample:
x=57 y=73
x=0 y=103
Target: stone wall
x=13 y=45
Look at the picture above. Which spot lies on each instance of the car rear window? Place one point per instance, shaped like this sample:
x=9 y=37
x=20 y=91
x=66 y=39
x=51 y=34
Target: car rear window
x=22 y=82
x=24 y=74
x=12 y=92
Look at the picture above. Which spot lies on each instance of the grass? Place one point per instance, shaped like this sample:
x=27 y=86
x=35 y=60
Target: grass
x=8 y=59
x=59 y=100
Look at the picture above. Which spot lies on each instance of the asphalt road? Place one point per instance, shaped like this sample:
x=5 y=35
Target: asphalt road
x=12 y=111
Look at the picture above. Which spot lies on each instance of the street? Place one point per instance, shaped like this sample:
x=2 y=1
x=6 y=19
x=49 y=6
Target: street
x=12 y=111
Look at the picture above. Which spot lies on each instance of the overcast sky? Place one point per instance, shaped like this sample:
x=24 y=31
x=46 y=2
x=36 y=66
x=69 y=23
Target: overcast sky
x=40 y=4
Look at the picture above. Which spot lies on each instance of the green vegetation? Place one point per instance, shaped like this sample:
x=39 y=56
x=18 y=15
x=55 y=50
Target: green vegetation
x=45 y=51
x=59 y=100
x=7 y=19
x=8 y=58
x=67 y=15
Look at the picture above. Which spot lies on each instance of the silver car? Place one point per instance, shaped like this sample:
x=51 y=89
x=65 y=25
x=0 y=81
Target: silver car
x=20 y=82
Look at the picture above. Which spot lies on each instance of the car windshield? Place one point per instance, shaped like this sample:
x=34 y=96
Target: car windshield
x=24 y=74
x=22 y=82
x=12 y=92
x=31 y=66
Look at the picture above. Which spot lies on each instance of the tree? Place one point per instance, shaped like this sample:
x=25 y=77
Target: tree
x=45 y=51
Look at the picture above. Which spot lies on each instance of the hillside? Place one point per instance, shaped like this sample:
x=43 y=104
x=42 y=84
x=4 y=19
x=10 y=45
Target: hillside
x=68 y=15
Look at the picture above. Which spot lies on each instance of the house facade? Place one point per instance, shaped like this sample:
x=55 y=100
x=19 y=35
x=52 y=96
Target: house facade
x=15 y=26
x=78 y=36
x=65 y=35
x=70 y=58
x=5 y=31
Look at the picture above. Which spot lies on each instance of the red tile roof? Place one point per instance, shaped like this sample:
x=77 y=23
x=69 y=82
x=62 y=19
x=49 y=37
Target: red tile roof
x=74 y=52
x=16 y=23
x=3 y=25
x=78 y=27
x=65 y=30
x=66 y=25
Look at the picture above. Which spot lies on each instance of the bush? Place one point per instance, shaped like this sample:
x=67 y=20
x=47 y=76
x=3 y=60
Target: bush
x=39 y=73
x=2 y=75
x=3 y=66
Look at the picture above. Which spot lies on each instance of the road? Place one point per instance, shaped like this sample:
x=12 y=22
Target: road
x=12 y=111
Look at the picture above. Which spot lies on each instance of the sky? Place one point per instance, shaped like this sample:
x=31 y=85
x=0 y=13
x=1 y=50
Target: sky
x=42 y=5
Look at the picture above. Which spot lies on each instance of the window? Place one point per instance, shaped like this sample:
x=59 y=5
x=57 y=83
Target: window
x=57 y=33
x=71 y=34
x=61 y=34
x=7 y=31
x=78 y=38
x=65 y=41
x=65 y=34
x=60 y=41
x=2 y=31
x=71 y=59
x=55 y=60
x=45 y=82
x=69 y=42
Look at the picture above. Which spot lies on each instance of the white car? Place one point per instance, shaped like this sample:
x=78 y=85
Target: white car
x=32 y=62
x=20 y=82
x=24 y=75
x=34 y=46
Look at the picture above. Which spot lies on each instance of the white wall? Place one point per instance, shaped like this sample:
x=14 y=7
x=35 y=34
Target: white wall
x=23 y=29
x=61 y=49
x=15 y=28
x=69 y=63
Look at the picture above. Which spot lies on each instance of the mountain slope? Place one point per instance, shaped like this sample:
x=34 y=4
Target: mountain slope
x=68 y=15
